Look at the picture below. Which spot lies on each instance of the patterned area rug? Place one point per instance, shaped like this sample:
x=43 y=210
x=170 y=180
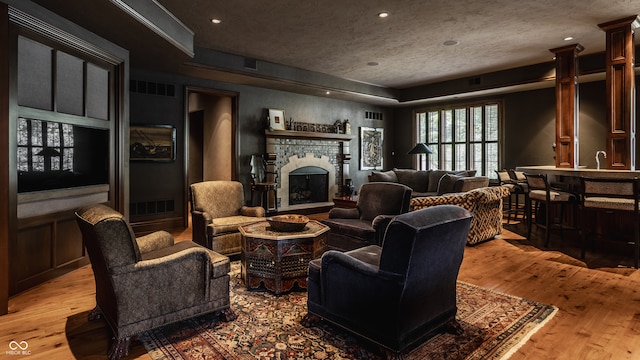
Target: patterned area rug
x=268 y=327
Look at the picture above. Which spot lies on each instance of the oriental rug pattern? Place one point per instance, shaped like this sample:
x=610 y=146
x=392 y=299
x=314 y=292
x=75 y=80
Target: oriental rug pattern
x=268 y=327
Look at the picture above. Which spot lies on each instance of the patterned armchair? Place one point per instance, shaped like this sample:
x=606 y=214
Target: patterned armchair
x=146 y=282
x=217 y=210
x=484 y=203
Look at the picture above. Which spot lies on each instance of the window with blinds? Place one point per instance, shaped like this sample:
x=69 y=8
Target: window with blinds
x=461 y=137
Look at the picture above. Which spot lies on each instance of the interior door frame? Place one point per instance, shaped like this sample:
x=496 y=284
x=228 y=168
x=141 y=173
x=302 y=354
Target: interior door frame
x=234 y=140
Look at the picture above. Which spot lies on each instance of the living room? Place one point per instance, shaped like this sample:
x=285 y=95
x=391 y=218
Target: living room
x=527 y=136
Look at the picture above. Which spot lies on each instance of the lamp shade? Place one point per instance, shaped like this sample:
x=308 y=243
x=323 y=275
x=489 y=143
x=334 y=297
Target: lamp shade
x=420 y=148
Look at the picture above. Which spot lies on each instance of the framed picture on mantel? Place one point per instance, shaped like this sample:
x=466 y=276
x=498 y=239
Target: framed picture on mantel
x=277 y=120
x=371 y=148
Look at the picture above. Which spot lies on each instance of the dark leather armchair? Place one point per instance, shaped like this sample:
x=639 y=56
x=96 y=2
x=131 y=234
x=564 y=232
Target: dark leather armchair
x=146 y=282
x=378 y=203
x=397 y=294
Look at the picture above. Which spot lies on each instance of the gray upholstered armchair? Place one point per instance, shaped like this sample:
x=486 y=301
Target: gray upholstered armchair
x=399 y=293
x=147 y=282
x=217 y=210
x=364 y=225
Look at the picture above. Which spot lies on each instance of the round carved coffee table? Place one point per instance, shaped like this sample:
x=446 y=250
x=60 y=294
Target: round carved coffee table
x=279 y=260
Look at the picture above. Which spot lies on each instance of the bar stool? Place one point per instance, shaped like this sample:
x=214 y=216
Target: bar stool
x=611 y=195
x=540 y=192
x=512 y=206
x=522 y=189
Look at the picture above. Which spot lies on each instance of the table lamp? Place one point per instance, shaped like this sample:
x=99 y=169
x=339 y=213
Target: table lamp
x=420 y=148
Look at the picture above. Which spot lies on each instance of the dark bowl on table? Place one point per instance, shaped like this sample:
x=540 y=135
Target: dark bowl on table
x=288 y=223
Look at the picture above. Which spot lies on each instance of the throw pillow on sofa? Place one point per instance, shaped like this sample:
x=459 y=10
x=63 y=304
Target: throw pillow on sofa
x=447 y=183
x=466 y=173
x=436 y=175
x=415 y=179
x=434 y=179
x=383 y=176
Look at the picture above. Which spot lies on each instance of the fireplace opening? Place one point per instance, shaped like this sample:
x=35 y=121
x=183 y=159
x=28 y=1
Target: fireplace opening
x=308 y=184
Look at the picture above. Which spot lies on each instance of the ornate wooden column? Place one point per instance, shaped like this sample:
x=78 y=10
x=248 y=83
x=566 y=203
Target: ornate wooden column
x=567 y=100
x=621 y=98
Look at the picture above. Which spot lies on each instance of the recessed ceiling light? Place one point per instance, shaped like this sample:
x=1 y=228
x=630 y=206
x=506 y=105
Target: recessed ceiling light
x=373 y=63
x=383 y=14
x=568 y=38
x=216 y=21
x=451 y=42
x=328 y=92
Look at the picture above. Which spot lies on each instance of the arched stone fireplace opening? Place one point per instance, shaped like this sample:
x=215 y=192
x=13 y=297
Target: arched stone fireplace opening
x=308 y=185
x=293 y=191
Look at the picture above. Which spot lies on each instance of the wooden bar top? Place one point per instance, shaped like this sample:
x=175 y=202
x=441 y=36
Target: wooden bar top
x=587 y=172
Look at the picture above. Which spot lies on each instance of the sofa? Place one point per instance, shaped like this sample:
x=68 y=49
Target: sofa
x=484 y=203
x=432 y=182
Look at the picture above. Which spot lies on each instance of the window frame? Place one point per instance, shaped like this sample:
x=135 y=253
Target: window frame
x=446 y=149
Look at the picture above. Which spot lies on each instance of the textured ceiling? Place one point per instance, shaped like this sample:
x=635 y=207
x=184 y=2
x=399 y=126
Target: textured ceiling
x=341 y=38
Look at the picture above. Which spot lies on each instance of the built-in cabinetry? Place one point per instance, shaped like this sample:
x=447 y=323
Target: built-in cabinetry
x=67 y=122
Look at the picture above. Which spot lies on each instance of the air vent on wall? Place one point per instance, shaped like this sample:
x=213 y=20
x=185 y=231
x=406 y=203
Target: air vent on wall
x=372 y=115
x=250 y=64
x=152 y=88
x=151 y=207
x=474 y=81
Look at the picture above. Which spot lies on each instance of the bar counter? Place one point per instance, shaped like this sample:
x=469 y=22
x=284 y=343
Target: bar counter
x=569 y=178
x=610 y=229
x=551 y=170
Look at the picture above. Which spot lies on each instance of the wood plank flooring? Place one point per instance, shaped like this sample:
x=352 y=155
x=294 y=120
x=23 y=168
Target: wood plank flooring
x=598 y=301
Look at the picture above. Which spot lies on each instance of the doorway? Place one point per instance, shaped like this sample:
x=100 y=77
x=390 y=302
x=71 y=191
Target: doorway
x=211 y=136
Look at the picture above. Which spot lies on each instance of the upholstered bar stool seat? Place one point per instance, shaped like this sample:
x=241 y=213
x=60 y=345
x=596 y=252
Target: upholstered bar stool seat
x=613 y=195
x=609 y=203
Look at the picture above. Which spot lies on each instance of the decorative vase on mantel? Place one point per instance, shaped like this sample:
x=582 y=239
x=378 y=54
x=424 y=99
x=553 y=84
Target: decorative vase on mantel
x=346 y=127
x=348 y=187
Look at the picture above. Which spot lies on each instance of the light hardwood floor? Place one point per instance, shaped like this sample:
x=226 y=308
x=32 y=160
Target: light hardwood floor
x=598 y=301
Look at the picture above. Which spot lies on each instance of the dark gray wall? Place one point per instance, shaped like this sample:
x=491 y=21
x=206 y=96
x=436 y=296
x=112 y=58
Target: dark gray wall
x=154 y=183
x=165 y=181
x=529 y=129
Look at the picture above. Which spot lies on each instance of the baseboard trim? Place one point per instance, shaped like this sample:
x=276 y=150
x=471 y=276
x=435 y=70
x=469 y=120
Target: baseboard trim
x=149 y=226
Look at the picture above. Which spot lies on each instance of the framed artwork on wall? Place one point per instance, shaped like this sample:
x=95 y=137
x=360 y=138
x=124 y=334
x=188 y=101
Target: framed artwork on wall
x=371 y=141
x=276 y=119
x=152 y=143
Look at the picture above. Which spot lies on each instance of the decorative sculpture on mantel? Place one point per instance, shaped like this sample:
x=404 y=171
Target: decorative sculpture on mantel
x=346 y=127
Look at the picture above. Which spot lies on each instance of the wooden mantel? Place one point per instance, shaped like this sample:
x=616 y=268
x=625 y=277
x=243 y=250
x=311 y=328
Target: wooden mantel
x=307 y=135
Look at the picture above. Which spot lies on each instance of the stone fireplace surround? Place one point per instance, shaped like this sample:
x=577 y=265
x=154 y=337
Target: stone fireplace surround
x=295 y=149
